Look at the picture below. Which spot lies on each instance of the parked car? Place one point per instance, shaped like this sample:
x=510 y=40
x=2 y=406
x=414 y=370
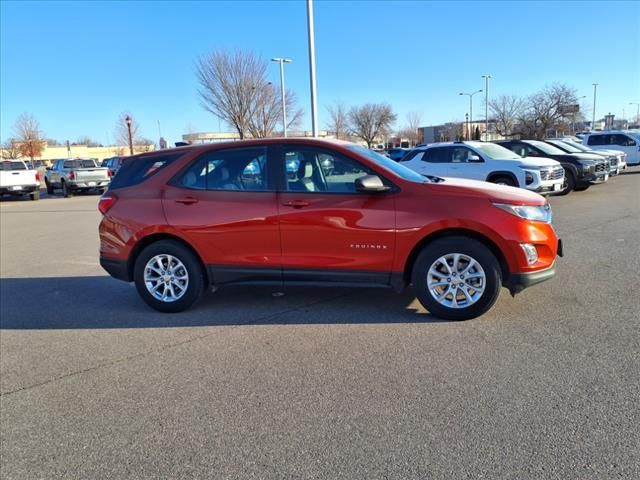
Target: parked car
x=619 y=154
x=396 y=154
x=79 y=175
x=626 y=140
x=488 y=162
x=580 y=170
x=17 y=179
x=113 y=164
x=611 y=160
x=178 y=221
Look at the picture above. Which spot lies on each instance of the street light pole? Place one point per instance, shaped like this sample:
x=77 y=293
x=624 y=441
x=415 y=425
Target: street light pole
x=312 y=68
x=593 y=117
x=128 y=121
x=470 y=95
x=282 y=61
x=637 y=104
x=486 y=106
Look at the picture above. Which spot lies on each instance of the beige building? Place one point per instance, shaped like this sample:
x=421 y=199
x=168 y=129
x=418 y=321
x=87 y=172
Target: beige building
x=51 y=152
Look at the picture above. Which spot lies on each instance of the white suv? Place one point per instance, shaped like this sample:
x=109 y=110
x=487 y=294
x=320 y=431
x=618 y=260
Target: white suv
x=626 y=140
x=488 y=162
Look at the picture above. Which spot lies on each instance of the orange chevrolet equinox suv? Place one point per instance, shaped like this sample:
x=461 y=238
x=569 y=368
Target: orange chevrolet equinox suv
x=318 y=212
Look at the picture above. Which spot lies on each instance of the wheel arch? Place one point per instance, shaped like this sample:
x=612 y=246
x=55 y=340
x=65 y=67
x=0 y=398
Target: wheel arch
x=454 y=232
x=156 y=237
x=503 y=173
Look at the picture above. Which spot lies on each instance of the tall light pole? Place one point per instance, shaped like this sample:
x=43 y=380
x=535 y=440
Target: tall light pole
x=593 y=117
x=637 y=104
x=282 y=61
x=486 y=106
x=312 y=68
x=470 y=95
x=128 y=121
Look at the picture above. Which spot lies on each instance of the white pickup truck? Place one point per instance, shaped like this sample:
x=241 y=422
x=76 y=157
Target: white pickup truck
x=78 y=175
x=16 y=179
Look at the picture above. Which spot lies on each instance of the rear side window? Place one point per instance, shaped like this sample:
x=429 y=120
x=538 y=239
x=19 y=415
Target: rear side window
x=438 y=155
x=12 y=166
x=411 y=155
x=137 y=170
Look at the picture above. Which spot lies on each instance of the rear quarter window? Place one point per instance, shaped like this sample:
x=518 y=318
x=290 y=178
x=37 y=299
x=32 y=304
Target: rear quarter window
x=137 y=170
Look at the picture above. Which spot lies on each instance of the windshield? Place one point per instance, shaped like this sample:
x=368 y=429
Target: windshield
x=562 y=145
x=577 y=146
x=635 y=135
x=546 y=148
x=497 y=152
x=389 y=164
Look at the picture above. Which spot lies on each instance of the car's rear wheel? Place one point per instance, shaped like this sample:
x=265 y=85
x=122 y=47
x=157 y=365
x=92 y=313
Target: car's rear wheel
x=168 y=276
x=66 y=192
x=49 y=187
x=35 y=195
x=456 y=278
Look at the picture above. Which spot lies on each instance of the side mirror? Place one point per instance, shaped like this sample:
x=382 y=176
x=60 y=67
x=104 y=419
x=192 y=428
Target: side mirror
x=474 y=159
x=370 y=184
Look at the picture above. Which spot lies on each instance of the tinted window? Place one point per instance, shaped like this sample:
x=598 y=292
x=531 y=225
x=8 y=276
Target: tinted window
x=311 y=170
x=388 y=164
x=438 y=155
x=411 y=155
x=12 y=166
x=622 y=140
x=233 y=169
x=136 y=170
x=598 y=140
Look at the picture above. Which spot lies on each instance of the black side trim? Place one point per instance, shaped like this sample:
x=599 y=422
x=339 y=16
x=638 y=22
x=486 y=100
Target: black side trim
x=517 y=282
x=231 y=275
x=116 y=268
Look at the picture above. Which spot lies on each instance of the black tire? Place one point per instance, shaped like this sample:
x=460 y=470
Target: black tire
x=569 y=183
x=49 y=187
x=466 y=246
x=582 y=188
x=504 y=180
x=35 y=195
x=66 y=193
x=194 y=269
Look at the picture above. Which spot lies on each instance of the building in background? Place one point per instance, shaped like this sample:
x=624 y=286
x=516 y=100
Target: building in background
x=209 y=137
x=51 y=152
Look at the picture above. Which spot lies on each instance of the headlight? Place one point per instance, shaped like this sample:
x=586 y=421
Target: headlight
x=528 y=212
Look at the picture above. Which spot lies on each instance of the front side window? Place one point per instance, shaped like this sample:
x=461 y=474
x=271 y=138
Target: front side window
x=312 y=170
x=461 y=154
x=622 y=140
x=242 y=169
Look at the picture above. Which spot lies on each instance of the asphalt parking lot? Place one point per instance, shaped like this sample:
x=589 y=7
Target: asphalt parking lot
x=335 y=383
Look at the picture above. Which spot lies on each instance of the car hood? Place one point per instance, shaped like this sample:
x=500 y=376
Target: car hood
x=537 y=162
x=490 y=191
x=606 y=151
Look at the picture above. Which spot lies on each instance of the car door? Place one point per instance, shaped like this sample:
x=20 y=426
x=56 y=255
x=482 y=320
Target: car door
x=434 y=161
x=628 y=145
x=465 y=163
x=329 y=231
x=224 y=204
x=55 y=172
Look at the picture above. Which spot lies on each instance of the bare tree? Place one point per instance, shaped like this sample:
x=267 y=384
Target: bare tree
x=452 y=131
x=338 y=121
x=88 y=141
x=29 y=136
x=121 y=132
x=11 y=149
x=370 y=121
x=506 y=109
x=410 y=131
x=230 y=84
x=266 y=111
x=544 y=111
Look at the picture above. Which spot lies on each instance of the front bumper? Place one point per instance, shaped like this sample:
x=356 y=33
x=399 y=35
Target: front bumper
x=517 y=282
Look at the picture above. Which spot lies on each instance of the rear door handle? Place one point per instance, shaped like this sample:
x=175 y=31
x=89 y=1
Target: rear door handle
x=296 y=203
x=187 y=200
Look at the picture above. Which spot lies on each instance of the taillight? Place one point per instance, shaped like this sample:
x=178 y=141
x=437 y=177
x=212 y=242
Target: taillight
x=109 y=174
x=72 y=175
x=107 y=201
x=37 y=176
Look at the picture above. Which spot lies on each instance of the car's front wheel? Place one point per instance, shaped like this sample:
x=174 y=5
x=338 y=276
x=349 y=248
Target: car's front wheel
x=456 y=278
x=168 y=276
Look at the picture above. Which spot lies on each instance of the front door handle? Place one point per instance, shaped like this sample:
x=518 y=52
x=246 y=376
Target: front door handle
x=187 y=200
x=296 y=203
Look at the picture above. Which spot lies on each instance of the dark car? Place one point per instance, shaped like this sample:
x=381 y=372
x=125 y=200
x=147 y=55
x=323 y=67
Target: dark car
x=581 y=170
x=113 y=164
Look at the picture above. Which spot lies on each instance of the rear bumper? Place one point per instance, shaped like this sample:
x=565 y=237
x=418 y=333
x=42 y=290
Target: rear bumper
x=17 y=189
x=88 y=185
x=116 y=268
